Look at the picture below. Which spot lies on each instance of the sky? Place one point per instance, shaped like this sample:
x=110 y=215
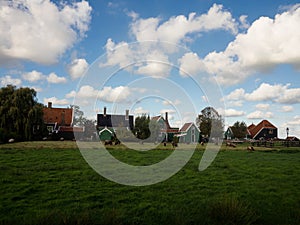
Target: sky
x=241 y=57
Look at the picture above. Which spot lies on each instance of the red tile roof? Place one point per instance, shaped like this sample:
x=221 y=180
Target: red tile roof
x=61 y=116
x=254 y=130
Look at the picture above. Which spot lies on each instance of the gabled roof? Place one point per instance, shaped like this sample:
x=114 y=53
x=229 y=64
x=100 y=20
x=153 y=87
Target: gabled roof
x=115 y=121
x=187 y=126
x=263 y=124
x=61 y=116
x=167 y=127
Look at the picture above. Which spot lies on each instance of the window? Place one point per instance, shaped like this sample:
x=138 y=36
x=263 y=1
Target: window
x=270 y=131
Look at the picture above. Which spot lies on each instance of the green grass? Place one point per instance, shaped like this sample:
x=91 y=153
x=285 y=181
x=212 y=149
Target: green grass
x=50 y=183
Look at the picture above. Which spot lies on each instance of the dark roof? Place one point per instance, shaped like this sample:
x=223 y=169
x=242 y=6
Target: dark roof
x=292 y=138
x=114 y=121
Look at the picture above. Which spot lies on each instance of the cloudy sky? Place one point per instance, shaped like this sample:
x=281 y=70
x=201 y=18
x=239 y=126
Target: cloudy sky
x=157 y=56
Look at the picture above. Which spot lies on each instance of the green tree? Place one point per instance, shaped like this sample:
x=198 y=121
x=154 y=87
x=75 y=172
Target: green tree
x=239 y=129
x=79 y=119
x=141 y=127
x=209 y=118
x=21 y=115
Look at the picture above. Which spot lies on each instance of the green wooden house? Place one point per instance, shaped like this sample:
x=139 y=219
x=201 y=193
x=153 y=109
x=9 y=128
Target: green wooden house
x=189 y=133
x=166 y=133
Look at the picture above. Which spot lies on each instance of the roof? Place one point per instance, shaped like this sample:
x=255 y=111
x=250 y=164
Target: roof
x=292 y=138
x=187 y=126
x=263 y=124
x=114 y=121
x=61 y=116
x=167 y=126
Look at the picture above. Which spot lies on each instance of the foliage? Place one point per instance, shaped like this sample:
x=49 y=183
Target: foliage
x=239 y=129
x=78 y=119
x=21 y=116
x=208 y=119
x=141 y=128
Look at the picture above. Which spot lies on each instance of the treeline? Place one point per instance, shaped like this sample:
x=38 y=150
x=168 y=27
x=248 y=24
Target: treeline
x=21 y=115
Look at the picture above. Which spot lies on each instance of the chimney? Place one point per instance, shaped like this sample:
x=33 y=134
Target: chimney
x=166 y=116
x=104 y=111
x=49 y=104
x=126 y=114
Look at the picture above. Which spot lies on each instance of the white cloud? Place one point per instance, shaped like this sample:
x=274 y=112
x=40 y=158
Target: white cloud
x=140 y=110
x=287 y=108
x=8 y=80
x=233 y=113
x=262 y=106
x=169 y=102
x=178 y=27
x=117 y=94
x=33 y=76
x=77 y=68
x=56 y=101
x=244 y=22
x=40 y=31
x=259 y=115
x=267 y=43
x=278 y=93
x=87 y=93
x=54 y=79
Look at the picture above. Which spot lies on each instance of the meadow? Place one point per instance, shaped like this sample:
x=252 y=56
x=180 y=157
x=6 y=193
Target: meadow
x=50 y=183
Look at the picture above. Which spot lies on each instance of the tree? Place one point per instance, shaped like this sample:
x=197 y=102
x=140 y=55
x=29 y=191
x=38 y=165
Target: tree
x=239 y=129
x=21 y=114
x=209 y=118
x=78 y=118
x=141 y=128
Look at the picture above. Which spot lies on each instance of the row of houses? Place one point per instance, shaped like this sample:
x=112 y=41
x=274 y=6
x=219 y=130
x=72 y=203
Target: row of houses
x=59 y=122
x=107 y=124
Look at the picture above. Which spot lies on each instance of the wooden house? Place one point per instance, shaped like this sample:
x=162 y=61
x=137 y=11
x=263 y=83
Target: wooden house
x=262 y=131
x=108 y=124
x=167 y=132
x=189 y=133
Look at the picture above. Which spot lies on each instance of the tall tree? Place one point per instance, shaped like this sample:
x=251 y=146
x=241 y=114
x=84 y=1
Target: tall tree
x=209 y=118
x=21 y=114
x=141 y=127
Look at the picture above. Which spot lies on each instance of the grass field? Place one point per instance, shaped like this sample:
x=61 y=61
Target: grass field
x=50 y=183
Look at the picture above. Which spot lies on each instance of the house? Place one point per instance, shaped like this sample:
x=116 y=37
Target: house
x=166 y=131
x=230 y=133
x=189 y=133
x=262 y=131
x=59 y=122
x=292 y=138
x=108 y=124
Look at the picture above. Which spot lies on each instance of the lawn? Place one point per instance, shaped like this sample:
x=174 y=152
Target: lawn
x=50 y=183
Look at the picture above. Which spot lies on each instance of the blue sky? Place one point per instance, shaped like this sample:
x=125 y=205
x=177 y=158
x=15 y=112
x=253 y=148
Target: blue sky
x=241 y=58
